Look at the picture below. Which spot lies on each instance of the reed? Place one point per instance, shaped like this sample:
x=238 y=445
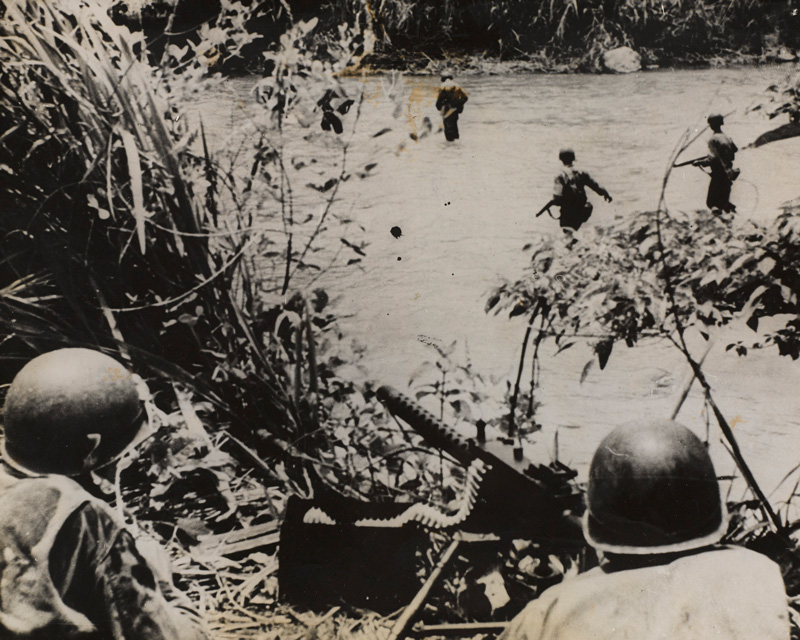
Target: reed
x=114 y=234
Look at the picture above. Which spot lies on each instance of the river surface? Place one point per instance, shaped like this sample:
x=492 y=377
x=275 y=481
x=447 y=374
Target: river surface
x=466 y=210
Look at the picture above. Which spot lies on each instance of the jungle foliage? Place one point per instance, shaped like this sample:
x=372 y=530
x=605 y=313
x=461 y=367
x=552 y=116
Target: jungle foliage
x=123 y=231
x=665 y=33
x=674 y=276
x=556 y=35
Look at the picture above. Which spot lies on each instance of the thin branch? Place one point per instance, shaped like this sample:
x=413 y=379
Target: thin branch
x=332 y=196
x=724 y=426
x=512 y=427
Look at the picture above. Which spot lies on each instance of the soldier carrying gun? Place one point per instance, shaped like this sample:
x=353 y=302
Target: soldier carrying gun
x=569 y=193
x=722 y=151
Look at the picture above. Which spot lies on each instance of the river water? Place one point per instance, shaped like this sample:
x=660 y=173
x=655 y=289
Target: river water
x=466 y=209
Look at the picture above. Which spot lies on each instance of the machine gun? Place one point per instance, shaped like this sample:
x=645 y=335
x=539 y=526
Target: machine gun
x=334 y=549
x=516 y=497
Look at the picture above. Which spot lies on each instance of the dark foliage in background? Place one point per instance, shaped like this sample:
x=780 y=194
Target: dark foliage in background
x=695 y=32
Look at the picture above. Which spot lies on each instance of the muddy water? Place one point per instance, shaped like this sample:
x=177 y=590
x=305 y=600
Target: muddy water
x=466 y=209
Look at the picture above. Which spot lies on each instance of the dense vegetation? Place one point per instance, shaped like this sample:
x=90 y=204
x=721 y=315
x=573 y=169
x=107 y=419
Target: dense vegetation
x=665 y=33
x=123 y=231
x=557 y=35
x=676 y=277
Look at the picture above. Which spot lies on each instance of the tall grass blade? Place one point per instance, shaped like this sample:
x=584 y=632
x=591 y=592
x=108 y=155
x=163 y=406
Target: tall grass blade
x=135 y=170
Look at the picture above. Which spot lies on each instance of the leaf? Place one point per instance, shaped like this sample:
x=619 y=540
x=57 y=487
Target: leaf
x=603 y=351
x=492 y=302
x=187 y=318
x=309 y=265
x=329 y=184
x=135 y=170
x=586 y=369
x=766 y=265
x=305 y=27
x=518 y=309
x=345 y=106
x=195 y=527
x=740 y=262
x=355 y=248
x=564 y=347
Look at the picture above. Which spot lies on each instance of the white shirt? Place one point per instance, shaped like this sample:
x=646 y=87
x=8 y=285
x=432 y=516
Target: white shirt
x=729 y=593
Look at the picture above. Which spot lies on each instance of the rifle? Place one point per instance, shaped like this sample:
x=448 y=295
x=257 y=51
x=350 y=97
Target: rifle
x=732 y=173
x=546 y=208
x=692 y=161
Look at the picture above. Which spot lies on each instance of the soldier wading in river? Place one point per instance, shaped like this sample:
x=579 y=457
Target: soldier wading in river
x=655 y=516
x=569 y=194
x=69 y=569
x=722 y=151
x=450 y=103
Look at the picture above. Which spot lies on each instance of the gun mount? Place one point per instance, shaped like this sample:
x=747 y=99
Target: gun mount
x=334 y=549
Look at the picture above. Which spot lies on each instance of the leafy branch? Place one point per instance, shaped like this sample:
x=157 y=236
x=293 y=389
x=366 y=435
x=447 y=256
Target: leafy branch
x=658 y=274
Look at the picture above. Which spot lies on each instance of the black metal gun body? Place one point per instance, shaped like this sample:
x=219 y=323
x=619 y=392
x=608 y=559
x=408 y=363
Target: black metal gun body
x=516 y=496
x=335 y=549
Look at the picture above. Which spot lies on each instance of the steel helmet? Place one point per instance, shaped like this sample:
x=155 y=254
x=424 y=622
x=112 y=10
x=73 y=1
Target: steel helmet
x=653 y=489
x=59 y=400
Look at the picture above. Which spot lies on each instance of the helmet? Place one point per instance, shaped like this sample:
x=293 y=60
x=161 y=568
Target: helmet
x=716 y=118
x=70 y=410
x=566 y=155
x=653 y=489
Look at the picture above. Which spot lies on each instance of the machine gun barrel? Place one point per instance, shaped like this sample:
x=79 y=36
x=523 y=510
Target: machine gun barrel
x=427 y=425
x=520 y=489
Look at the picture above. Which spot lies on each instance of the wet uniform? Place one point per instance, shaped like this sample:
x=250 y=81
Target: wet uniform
x=70 y=571
x=729 y=593
x=451 y=102
x=569 y=191
x=722 y=152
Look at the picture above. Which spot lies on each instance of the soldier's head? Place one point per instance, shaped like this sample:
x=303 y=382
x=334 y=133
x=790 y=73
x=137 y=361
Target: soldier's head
x=653 y=490
x=70 y=411
x=715 y=121
x=567 y=156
